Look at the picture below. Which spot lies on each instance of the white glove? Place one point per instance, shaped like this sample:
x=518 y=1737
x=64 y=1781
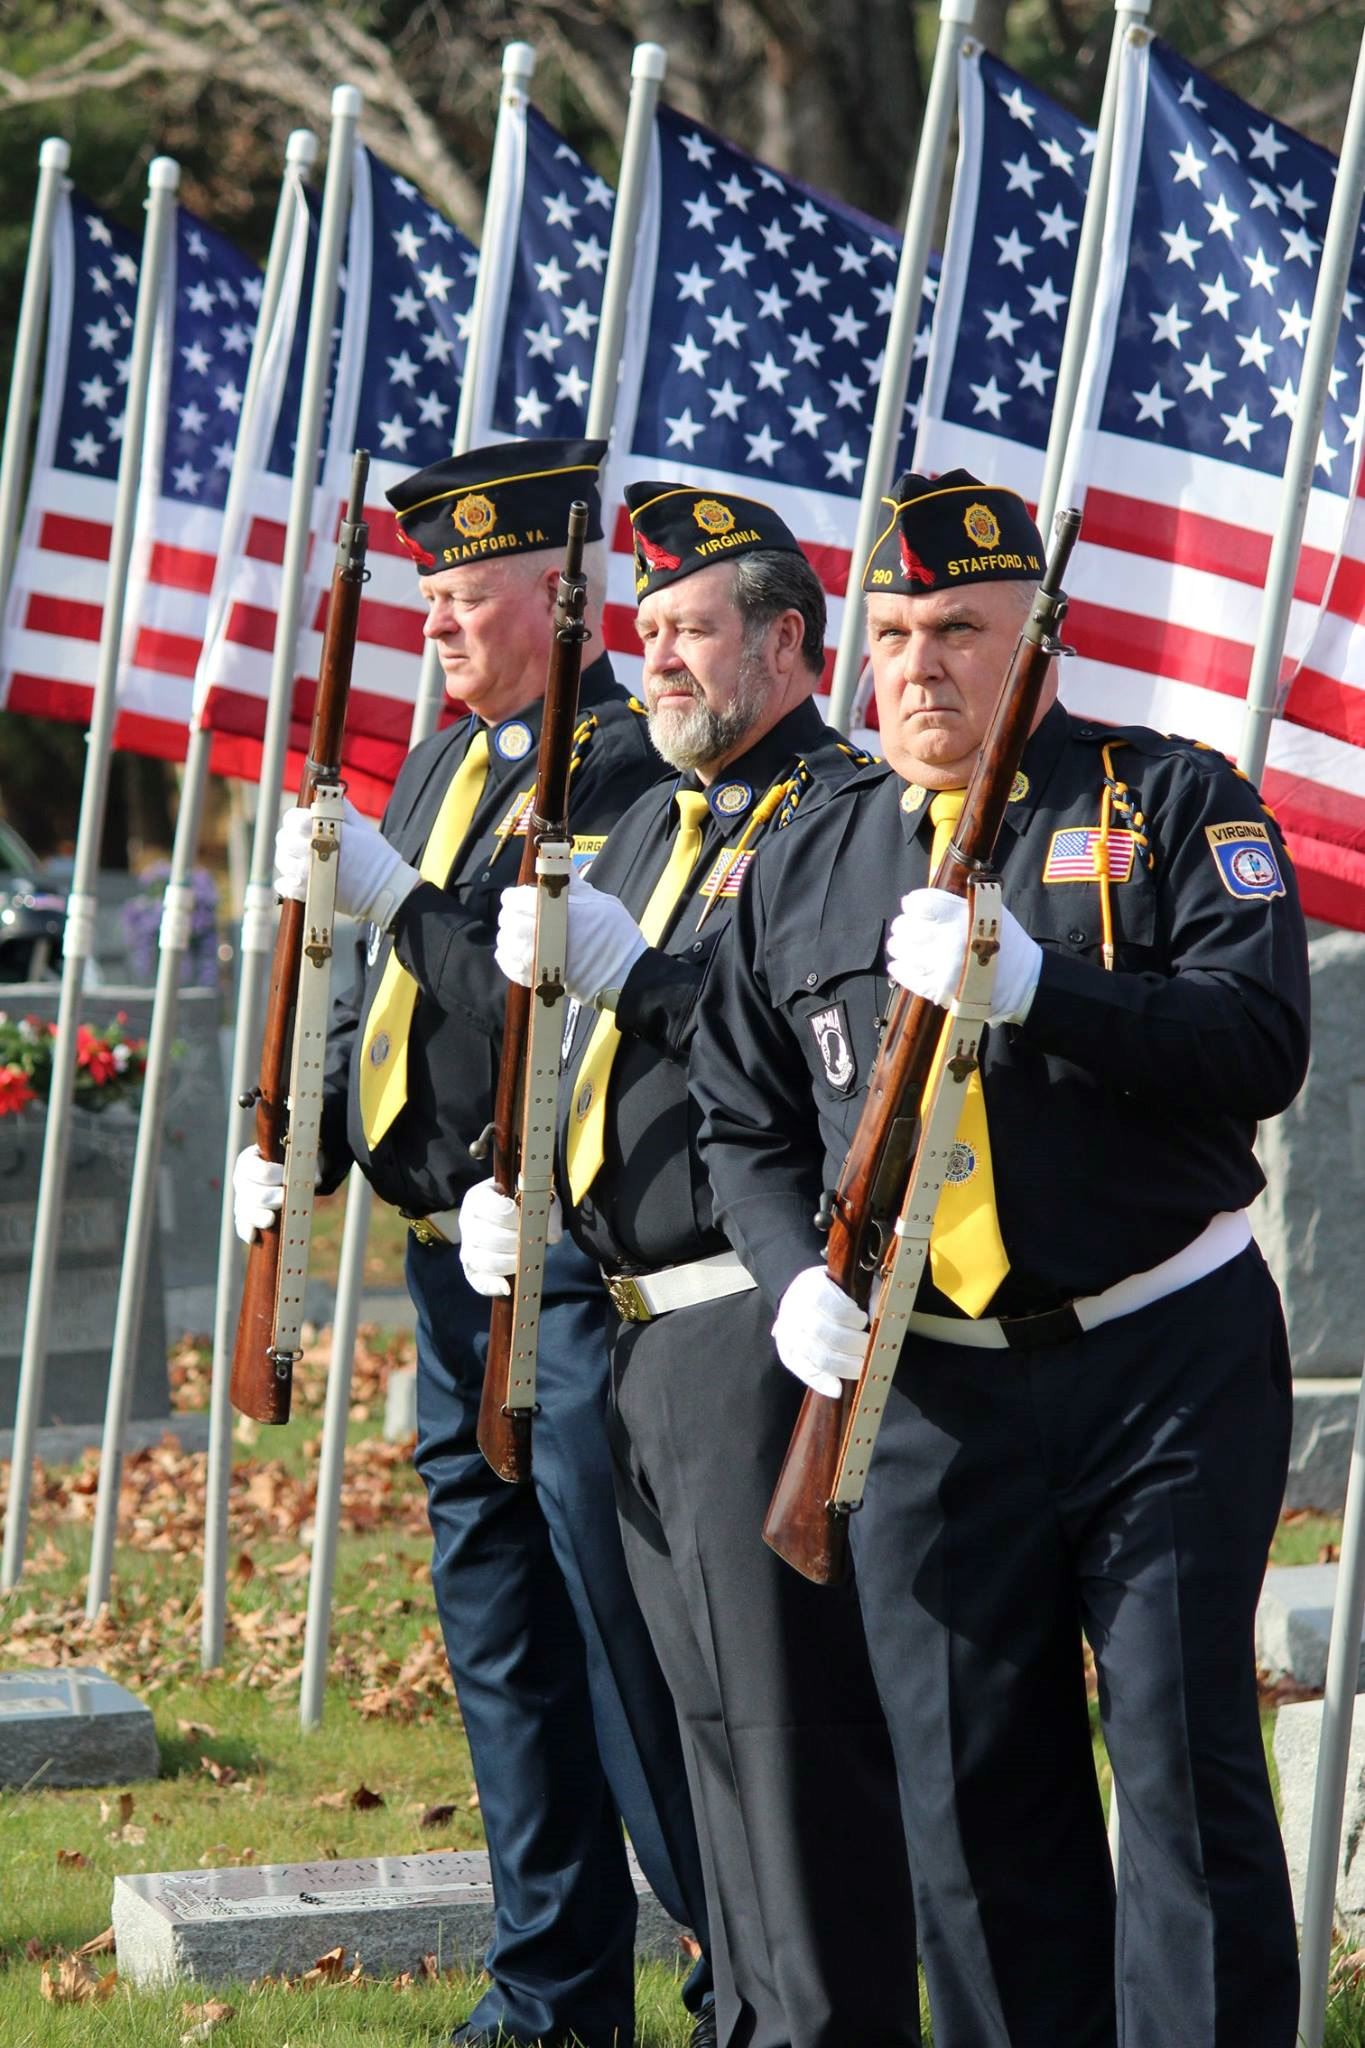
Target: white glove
x=257 y=1192
x=604 y=940
x=488 y=1237
x=820 y=1334
x=927 y=945
x=372 y=880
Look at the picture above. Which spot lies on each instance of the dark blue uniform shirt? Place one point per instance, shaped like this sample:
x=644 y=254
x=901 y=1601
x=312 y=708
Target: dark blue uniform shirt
x=1122 y=1111
x=650 y=1204
x=444 y=937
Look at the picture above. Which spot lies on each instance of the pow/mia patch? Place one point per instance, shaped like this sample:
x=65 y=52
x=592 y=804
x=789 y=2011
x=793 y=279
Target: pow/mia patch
x=1245 y=858
x=982 y=527
x=1075 y=856
x=513 y=740
x=731 y=798
x=830 y=1031
x=713 y=517
x=473 y=515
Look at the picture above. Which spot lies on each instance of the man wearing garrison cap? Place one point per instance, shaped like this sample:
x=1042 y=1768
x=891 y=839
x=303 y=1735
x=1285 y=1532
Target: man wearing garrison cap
x=1087 y=1431
x=787 y=1750
x=570 y=1724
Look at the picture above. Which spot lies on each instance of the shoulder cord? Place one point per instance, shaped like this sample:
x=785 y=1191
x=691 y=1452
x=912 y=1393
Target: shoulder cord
x=1116 y=798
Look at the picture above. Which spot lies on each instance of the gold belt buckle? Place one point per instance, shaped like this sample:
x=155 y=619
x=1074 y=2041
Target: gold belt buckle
x=424 y=1230
x=629 y=1302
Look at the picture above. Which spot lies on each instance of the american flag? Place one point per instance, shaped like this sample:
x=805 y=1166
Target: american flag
x=205 y=325
x=1019 y=191
x=554 y=304
x=1211 y=246
x=1074 y=855
x=402 y=329
x=759 y=314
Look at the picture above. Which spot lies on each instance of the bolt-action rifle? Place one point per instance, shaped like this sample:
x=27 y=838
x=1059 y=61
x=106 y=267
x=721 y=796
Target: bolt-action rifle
x=288 y=1093
x=821 y=1478
x=522 y=1132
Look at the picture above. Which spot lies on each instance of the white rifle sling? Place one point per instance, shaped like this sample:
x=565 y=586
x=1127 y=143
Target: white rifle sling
x=904 y=1263
x=535 y=1188
x=306 y=1067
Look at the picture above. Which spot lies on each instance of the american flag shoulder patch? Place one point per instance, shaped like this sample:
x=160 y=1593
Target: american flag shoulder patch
x=728 y=873
x=1075 y=856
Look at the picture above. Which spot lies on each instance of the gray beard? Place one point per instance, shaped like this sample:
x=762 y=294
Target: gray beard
x=696 y=737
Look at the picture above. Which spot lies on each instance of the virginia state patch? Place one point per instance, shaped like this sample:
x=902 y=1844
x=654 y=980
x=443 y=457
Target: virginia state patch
x=1245 y=858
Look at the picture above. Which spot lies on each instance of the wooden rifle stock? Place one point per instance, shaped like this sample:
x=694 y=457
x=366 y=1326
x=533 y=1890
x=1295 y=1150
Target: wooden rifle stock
x=802 y=1525
x=504 y=1434
x=262 y=1380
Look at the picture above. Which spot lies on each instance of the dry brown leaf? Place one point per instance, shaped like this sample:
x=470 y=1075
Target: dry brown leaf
x=364 y=1800
x=197 y=1731
x=221 y=1774
x=336 y=1800
x=72 y=1859
x=244 y=1571
x=206 y=2019
x=437 y=1816
x=99 y=1945
x=74 y=1984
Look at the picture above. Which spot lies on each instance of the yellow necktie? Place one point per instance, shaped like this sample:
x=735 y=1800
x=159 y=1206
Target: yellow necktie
x=583 y=1146
x=384 y=1050
x=967 y=1256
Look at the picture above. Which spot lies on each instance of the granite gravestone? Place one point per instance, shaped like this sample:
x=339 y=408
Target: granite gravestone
x=1294 y=1623
x=193 y=1140
x=1298 y=1733
x=279 y=1918
x=1307 y=1223
x=89 y=1260
x=73 y=1727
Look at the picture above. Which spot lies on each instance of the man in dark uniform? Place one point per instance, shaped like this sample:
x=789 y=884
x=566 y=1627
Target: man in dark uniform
x=792 y=1773
x=1099 y=1441
x=570 y=1724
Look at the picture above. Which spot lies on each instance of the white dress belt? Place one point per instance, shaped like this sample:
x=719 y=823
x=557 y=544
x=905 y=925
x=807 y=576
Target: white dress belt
x=1228 y=1234
x=641 y=1297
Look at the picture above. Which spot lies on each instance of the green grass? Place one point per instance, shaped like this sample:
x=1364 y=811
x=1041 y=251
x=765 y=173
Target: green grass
x=240 y=1780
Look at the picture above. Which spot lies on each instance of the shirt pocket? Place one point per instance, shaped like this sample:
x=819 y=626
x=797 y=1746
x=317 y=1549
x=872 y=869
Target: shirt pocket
x=1068 y=917
x=831 y=983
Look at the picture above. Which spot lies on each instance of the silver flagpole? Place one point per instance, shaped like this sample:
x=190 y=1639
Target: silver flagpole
x=954 y=18
x=300 y=155
x=53 y=157
x=497 y=240
x=1333 y=274
x=1334 y=1743
x=647 y=69
x=1089 y=251
x=258 y=921
x=163 y=179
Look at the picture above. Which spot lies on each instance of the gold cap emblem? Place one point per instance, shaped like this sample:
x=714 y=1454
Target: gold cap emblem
x=713 y=517
x=983 y=528
x=474 y=515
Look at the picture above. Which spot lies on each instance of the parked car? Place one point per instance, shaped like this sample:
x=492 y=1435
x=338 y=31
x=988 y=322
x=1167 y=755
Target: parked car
x=32 y=913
